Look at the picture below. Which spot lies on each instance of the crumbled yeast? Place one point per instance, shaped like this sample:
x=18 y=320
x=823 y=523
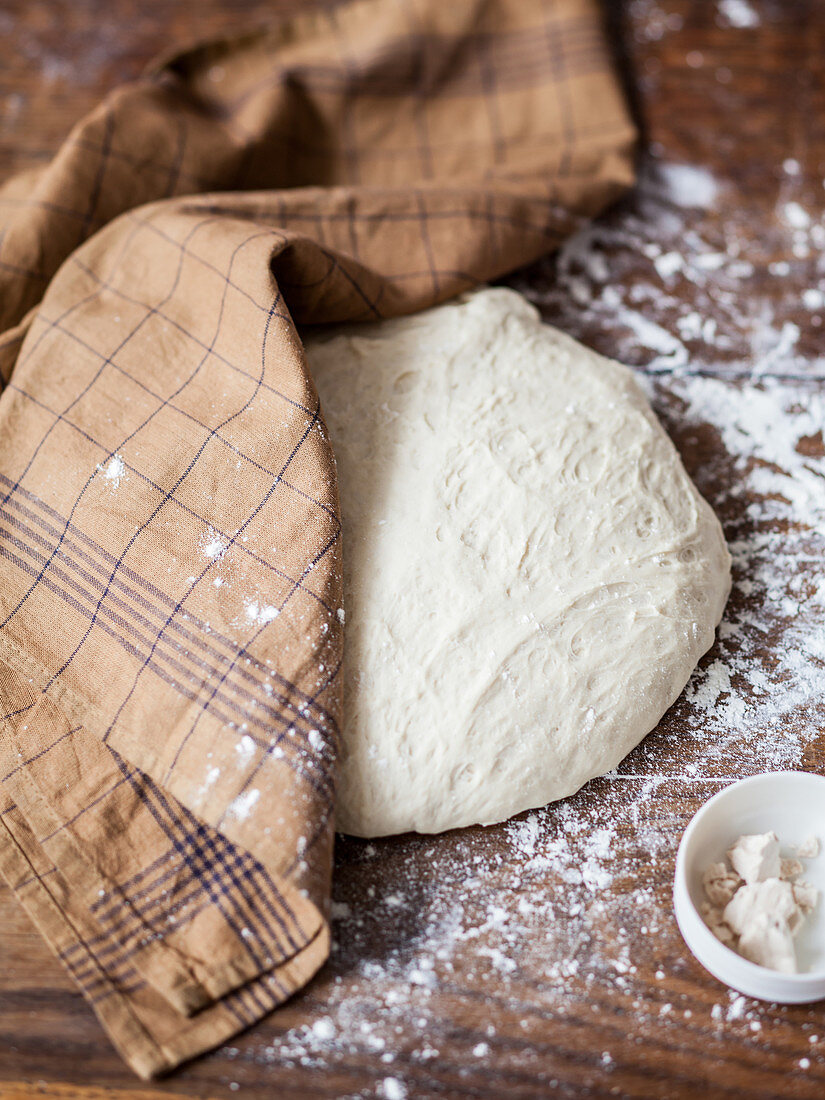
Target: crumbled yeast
x=756 y=908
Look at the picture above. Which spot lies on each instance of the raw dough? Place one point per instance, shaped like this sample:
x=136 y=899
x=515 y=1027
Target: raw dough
x=530 y=574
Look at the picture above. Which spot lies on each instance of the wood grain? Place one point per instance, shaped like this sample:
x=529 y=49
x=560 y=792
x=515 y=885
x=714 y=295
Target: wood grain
x=474 y=964
x=22 y=1090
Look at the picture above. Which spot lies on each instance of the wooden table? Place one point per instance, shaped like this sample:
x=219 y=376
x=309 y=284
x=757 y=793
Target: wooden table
x=541 y=957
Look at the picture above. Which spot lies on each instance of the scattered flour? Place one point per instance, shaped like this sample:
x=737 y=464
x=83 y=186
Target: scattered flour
x=213 y=545
x=688 y=185
x=756 y=702
x=323 y=1029
x=393 y=1089
x=242 y=805
x=245 y=749
x=795 y=216
x=113 y=471
x=738 y=13
x=631 y=275
x=258 y=612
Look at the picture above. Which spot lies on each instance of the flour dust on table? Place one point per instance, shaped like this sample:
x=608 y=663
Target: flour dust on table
x=530 y=574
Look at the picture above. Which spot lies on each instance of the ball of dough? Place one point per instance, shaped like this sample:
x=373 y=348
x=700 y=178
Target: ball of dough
x=530 y=575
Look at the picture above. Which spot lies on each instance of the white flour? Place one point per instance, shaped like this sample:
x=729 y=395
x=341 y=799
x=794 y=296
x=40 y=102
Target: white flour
x=610 y=277
x=738 y=13
x=213 y=545
x=113 y=471
x=259 y=612
x=755 y=705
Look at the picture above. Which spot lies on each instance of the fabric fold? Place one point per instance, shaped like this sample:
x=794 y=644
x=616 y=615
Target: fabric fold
x=171 y=628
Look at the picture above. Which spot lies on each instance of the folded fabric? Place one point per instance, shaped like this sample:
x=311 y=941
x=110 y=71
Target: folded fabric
x=171 y=627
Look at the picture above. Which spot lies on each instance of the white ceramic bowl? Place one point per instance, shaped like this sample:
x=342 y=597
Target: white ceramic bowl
x=791 y=804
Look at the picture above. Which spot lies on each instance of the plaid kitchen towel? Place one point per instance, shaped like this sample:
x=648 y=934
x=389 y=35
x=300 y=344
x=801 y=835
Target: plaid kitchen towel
x=171 y=625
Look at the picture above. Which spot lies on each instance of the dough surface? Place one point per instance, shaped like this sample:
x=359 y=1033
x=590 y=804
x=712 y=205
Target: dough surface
x=530 y=574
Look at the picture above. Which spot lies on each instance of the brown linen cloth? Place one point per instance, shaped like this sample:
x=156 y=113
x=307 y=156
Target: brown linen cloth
x=170 y=556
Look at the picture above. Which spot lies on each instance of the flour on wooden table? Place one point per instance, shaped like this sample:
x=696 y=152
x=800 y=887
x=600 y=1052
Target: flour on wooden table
x=634 y=275
x=755 y=704
x=738 y=13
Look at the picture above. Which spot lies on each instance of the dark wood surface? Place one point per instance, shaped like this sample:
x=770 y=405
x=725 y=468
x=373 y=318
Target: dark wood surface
x=542 y=957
